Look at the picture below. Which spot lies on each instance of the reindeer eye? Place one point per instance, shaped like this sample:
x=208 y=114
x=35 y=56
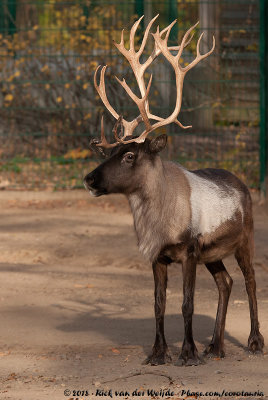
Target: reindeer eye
x=128 y=157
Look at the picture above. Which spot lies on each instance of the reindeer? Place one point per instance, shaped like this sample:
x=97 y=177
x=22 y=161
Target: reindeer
x=181 y=216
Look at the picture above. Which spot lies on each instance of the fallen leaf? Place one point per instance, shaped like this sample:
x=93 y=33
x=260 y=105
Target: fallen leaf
x=12 y=376
x=115 y=351
x=78 y=285
x=4 y=354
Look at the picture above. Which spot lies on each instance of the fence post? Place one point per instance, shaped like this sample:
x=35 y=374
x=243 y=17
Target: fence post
x=167 y=75
x=8 y=16
x=263 y=98
x=139 y=10
x=12 y=15
x=173 y=14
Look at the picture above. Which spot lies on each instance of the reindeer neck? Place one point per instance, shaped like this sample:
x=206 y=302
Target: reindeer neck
x=160 y=209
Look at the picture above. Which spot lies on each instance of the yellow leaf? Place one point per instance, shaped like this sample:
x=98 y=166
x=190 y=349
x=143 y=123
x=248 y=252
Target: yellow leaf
x=59 y=99
x=9 y=97
x=67 y=85
x=47 y=86
x=17 y=73
x=76 y=154
x=78 y=77
x=94 y=64
x=87 y=116
x=85 y=86
x=44 y=68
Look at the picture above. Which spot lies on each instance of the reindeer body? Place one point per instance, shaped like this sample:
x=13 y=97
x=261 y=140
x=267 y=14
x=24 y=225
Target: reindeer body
x=204 y=207
x=181 y=216
x=188 y=217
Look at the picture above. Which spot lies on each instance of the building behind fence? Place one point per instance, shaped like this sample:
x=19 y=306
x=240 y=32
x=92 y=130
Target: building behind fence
x=49 y=108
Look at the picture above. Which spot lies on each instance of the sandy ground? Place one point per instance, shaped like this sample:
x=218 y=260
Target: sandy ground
x=77 y=307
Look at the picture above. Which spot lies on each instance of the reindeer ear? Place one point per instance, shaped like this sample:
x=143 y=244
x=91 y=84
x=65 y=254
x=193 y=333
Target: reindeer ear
x=157 y=144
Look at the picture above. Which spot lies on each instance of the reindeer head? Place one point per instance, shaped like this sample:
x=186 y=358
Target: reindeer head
x=131 y=154
x=127 y=167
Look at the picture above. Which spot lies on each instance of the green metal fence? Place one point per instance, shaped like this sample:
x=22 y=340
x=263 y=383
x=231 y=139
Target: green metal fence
x=49 y=108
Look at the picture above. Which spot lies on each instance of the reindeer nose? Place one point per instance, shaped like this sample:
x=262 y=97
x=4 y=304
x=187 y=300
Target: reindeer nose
x=89 y=180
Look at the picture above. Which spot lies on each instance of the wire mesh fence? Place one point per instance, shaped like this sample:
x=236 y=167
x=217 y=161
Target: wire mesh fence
x=49 y=108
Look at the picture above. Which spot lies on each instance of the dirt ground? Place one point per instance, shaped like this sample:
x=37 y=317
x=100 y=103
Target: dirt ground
x=77 y=307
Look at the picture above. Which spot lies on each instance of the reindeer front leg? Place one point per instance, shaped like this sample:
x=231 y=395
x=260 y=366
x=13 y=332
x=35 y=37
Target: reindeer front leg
x=160 y=354
x=189 y=354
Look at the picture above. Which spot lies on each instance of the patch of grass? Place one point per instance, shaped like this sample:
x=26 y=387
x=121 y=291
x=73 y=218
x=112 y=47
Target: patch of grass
x=10 y=167
x=62 y=161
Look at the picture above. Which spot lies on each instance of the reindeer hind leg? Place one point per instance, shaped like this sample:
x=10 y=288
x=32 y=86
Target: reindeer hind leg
x=243 y=256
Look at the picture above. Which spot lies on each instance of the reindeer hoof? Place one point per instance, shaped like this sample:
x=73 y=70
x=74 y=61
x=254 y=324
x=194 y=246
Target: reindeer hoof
x=158 y=358
x=256 y=343
x=189 y=361
x=212 y=351
x=189 y=358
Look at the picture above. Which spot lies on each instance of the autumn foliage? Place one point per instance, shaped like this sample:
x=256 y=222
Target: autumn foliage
x=49 y=104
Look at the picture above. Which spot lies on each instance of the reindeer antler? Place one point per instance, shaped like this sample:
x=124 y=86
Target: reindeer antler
x=133 y=57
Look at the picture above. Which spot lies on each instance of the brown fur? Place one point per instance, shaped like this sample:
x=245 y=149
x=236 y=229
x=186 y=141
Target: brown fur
x=159 y=194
